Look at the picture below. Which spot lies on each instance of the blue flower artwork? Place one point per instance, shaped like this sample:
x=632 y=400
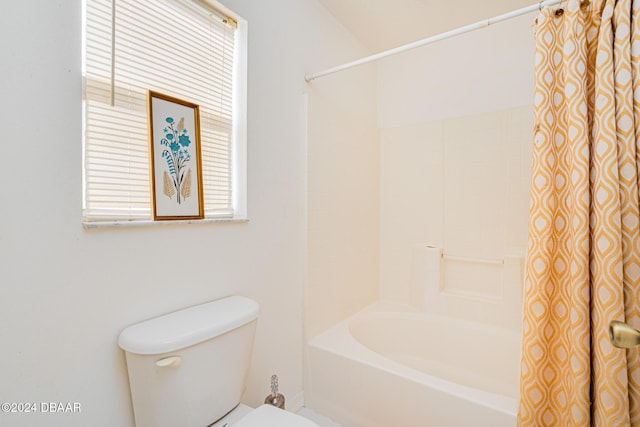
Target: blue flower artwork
x=175 y=151
x=175 y=161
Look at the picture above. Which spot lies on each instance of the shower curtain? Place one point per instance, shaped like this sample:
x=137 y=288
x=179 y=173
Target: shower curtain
x=583 y=260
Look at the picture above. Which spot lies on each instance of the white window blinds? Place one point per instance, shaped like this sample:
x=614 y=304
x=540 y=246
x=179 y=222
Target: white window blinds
x=176 y=47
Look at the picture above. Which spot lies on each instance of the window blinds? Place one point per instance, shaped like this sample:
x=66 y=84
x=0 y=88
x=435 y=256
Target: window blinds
x=176 y=47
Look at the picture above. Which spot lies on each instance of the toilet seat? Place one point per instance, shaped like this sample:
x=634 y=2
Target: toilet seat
x=270 y=416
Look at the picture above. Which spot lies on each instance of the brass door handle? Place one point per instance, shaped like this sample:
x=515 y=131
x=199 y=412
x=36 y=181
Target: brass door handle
x=623 y=335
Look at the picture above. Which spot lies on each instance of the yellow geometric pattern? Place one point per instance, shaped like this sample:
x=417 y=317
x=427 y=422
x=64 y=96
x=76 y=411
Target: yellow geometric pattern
x=583 y=259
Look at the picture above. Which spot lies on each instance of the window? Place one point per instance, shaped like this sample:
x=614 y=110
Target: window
x=189 y=49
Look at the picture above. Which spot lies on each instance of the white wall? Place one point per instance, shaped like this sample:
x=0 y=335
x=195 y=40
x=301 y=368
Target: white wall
x=482 y=71
x=456 y=122
x=66 y=293
x=342 y=191
x=343 y=200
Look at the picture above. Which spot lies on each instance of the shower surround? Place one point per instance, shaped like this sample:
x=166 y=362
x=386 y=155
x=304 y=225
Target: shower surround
x=442 y=344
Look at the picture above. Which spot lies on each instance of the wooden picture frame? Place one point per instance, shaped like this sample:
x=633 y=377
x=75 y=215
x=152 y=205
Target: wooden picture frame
x=175 y=158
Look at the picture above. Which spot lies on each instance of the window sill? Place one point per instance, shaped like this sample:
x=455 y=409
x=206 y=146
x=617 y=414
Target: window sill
x=89 y=225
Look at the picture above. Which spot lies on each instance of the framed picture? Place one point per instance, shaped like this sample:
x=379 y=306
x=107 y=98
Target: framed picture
x=174 y=145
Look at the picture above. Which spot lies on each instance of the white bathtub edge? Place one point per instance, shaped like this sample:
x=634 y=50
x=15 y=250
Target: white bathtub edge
x=339 y=341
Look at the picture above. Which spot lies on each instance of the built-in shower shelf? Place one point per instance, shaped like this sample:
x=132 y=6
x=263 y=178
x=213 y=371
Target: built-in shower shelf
x=473 y=260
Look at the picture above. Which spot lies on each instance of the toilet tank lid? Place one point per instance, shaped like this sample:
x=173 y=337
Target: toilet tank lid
x=189 y=326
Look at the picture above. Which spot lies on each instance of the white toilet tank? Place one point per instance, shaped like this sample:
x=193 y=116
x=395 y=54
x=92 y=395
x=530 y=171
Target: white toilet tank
x=188 y=368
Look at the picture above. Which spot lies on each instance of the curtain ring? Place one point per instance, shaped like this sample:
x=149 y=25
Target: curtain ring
x=540 y=5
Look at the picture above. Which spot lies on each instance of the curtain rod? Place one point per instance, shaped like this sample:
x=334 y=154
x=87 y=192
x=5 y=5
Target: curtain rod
x=447 y=34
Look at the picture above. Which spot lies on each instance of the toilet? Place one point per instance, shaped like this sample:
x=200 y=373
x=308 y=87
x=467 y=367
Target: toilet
x=188 y=368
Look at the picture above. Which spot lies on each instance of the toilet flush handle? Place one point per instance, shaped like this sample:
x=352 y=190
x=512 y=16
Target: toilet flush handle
x=173 y=361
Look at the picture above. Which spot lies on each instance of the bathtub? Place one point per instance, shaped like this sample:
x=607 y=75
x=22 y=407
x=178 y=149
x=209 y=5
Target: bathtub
x=392 y=366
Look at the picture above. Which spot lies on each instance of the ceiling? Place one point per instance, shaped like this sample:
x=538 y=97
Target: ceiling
x=385 y=24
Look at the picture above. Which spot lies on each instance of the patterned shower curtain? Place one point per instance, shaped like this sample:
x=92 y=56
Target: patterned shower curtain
x=583 y=260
